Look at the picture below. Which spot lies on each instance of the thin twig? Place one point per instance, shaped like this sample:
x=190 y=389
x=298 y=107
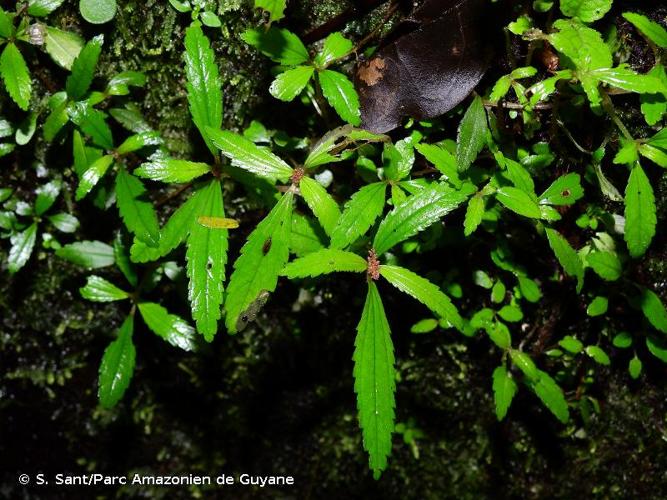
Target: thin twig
x=517 y=105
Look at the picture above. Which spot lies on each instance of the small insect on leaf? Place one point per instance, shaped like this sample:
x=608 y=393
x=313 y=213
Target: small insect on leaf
x=267 y=246
x=218 y=222
x=249 y=315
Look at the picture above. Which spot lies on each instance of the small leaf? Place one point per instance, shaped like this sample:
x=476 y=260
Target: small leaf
x=504 y=389
x=137 y=212
x=552 y=396
x=567 y=256
x=262 y=258
x=571 y=344
x=281 y=45
x=97 y=11
x=83 y=69
x=657 y=347
x=359 y=214
x=656 y=155
x=417 y=213
x=472 y=133
x=63 y=46
x=42 y=8
x=172 y=170
x=170 y=327
x=325 y=261
x=564 y=191
x=653 y=309
x=93 y=123
x=519 y=202
x=117 y=366
x=210 y=19
x=424 y=291
x=598 y=355
x=529 y=289
x=275 y=8
x=598 y=306
x=22 y=246
x=63 y=222
x=635 y=367
x=342 y=96
x=650 y=29
x=606 y=264
x=100 y=290
x=321 y=203
x=640 y=212
x=374 y=380
x=524 y=362
x=139 y=141
x=510 y=313
x=46 y=196
x=246 y=155
x=290 y=83
x=474 y=214
x=335 y=46
x=16 y=76
x=88 y=254
x=442 y=159
x=92 y=175
x=625 y=78
x=586 y=10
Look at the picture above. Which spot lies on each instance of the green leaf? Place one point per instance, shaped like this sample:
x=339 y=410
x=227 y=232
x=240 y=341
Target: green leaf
x=472 y=134
x=654 y=310
x=552 y=396
x=659 y=140
x=83 y=69
x=171 y=170
x=510 y=313
x=22 y=245
x=46 y=196
x=335 y=46
x=341 y=94
x=26 y=129
x=571 y=344
x=64 y=222
x=63 y=46
x=524 y=362
x=262 y=259
x=170 y=327
x=16 y=76
x=635 y=367
x=640 y=212
x=282 y=46
x=607 y=265
x=136 y=210
x=398 y=159
x=328 y=148
x=306 y=236
x=474 y=214
x=100 y=290
x=518 y=175
x=442 y=159
x=92 y=175
x=519 y=201
x=139 y=141
x=622 y=340
x=117 y=366
x=650 y=29
x=654 y=106
x=598 y=355
x=246 y=155
x=417 y=213
x=504 y=389
x=123 y=263
x=567 y=256
x=42 y=8
x=290 y=83
x=210 y=19
x=657 y=347
x=6 y=25
x=374 y=381
x=88 y=254
x=359 y=214
x=92 y=123
x=97 y=11
x=56 y=120
x=586 y=10
x=325 y=261
x=119 y=84
x=275 y=8
x=206 y=257
x=565 y=190
x=598 y=306
x=321 y=203
x=625 y=78
x=204 y=86
x=424 y=291
x=529 y=289
x=657 y=156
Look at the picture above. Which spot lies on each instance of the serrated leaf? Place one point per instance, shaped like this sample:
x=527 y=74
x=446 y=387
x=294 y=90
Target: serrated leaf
x=248 y=156
x=335 y=46
x=552 y=396
x=650 y=29
x=88 y=254
x=83 y=69
x=138 y=141
x=170 y=327
x=123 y=262
x=605 y=264
x=16 y=76
x=92 y=175
x=42 y=8
x=46 y=196
x=275 y=8
x=136 y=210
x=325 y=261
x=640 y=212
x=281 y=45
x=321 y=203
x=585 y=10
x=374 y=380
x=567 y=256
x=204 y=86
x=290 y=83
x=339 y=91
x=424 y=291
x=524 y=362
x=328 y=148
x=417 y=213
x=472 y=133
x=654 y=106
x=653 y=309
x=474 y=214
x=98 y=289
x=398 y=159
x=206 y=257
x=306 y=236
x=56 y=120
x=359 y=214
x=63 y=46
x=21 y=249
x=7 y=29
x=172 y=170
x=442 y=159
x=63 y=222
x=656 y=155
x=565 y=190
x=504 y=389
x=92 y=122
x=518 y=201
x=625 y=78
x=117 y=366
x=258 y=266
x=518 y=175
